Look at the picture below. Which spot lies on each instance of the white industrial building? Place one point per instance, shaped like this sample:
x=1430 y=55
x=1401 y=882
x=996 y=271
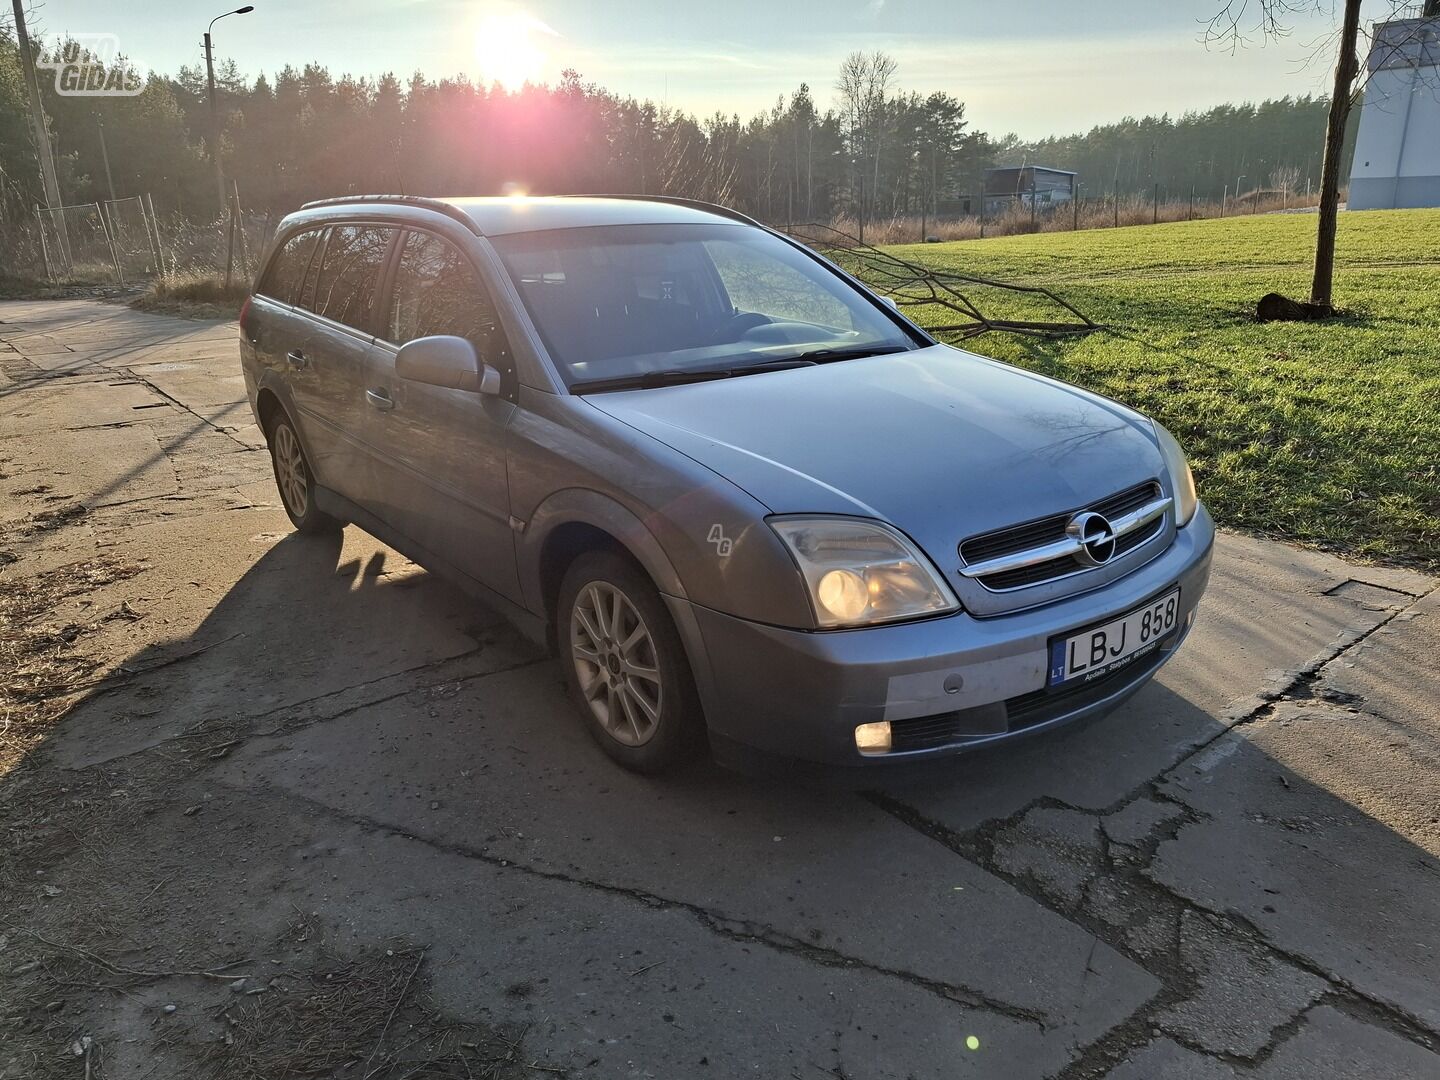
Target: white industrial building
x=1397 y=148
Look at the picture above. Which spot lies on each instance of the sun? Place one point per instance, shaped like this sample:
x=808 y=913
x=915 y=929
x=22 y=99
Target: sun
x=510 y=47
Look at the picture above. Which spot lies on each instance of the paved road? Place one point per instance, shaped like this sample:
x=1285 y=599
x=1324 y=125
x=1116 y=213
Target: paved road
x=306 y=754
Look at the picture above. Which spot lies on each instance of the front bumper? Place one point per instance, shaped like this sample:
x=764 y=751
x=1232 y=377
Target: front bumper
x=949 y=684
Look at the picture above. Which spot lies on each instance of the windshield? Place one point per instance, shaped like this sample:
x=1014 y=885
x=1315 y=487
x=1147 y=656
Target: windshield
x=619 y=303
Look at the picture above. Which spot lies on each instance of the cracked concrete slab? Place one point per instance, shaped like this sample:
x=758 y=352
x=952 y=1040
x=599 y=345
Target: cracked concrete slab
x=1313 y=873
x=1059 y=849
x=1367 y=678
x=1244 y=992
x=1332 y=1044
x=1167 y=1059
x=46 y=407
x=603 y=983
x=498 y=765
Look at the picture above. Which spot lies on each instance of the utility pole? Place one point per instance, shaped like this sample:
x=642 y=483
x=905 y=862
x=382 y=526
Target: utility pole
x=214 y=113
x=105 y=157
x=214 y=123
x=42 y=135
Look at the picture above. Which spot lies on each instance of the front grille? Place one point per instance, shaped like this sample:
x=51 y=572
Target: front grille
x=1020 y=712
x=1047 y=530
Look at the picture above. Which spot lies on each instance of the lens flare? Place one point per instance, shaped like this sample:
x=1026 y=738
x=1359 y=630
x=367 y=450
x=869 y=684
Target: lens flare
x=510 y=47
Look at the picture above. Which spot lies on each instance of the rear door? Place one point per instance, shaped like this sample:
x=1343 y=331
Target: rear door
x=329 y=358
x=272 y=322
x=441 y=453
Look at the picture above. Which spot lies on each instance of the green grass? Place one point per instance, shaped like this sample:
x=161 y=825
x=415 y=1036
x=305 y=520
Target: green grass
x=1323 y=433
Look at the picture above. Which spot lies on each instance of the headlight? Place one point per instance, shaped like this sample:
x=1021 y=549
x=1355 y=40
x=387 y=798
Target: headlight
x=862 y=572
x=1180 y=478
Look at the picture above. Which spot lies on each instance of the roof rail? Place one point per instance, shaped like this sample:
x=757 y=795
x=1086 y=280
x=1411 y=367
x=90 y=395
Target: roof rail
x=440 y=206
x=675 y=200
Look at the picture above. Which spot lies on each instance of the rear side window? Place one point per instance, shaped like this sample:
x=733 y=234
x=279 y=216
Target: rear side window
x=437 y=292
x=287 y=269
x=349 y=277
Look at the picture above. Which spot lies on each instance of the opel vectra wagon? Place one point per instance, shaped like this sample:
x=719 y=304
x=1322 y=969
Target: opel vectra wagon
x=745 y=500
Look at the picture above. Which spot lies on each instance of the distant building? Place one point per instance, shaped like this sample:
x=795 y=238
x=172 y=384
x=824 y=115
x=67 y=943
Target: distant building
x=1027 y=185
x=1397 y=149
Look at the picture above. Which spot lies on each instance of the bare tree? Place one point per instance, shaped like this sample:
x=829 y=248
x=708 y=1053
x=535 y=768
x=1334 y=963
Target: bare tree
x=1270 y=19
x=864 y=88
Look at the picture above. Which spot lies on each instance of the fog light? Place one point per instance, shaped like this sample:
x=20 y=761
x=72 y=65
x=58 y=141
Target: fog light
x=873 y=738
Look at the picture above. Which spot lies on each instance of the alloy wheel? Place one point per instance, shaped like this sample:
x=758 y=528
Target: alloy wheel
x=616 y=662
x=290 y=470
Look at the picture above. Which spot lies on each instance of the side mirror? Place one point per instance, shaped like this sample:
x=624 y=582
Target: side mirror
x=446 y=360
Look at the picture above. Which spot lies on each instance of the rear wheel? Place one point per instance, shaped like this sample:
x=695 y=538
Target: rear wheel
x=625 y=667
x=295 y=479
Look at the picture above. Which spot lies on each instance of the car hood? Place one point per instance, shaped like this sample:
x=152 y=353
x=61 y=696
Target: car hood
x=939 y=442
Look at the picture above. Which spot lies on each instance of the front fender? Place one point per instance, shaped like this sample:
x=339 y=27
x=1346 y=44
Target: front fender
x=576 y=505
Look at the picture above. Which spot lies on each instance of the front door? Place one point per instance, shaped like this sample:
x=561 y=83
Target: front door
x=441 y=453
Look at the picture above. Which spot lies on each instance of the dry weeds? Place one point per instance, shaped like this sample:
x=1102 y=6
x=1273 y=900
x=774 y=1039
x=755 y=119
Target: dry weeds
x=1093 y=213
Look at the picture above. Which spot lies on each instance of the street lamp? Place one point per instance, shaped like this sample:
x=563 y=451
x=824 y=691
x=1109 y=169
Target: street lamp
x=1239 y=202
x=214 y=116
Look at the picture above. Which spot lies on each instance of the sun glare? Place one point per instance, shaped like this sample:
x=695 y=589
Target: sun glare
x=510 y=48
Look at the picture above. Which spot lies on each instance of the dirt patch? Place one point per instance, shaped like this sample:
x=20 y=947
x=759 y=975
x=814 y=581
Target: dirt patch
x=367 y=1015
x=42 y=661
x=61 y=516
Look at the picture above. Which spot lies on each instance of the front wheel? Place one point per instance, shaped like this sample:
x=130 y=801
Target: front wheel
x=295 y=479
x=624 y=665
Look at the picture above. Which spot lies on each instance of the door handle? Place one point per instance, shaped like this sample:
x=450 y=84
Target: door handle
x=380 y=400
x=297 y=359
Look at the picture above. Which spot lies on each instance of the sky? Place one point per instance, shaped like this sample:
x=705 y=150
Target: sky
x=1034 y=67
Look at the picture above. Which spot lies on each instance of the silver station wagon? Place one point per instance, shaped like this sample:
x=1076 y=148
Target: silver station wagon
x=746 y=501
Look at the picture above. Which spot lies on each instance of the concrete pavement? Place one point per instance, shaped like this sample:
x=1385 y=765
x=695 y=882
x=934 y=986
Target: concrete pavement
x=306 y=754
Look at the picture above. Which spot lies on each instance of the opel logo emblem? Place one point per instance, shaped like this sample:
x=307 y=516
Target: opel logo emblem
x=1097 y=538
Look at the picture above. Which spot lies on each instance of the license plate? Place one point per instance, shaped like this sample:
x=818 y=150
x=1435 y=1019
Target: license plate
x=1110 y=646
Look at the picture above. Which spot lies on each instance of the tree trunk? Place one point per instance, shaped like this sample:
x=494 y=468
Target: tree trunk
x=1346 y=69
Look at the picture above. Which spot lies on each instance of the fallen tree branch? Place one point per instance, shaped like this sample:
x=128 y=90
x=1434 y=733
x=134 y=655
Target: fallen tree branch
x=911 y=284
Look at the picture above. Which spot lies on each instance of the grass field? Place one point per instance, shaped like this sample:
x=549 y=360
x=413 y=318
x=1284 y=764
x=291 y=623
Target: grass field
x=1323 y=433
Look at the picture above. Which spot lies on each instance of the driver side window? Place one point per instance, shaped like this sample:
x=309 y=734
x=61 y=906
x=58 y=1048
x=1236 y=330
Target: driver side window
x=761 y=283
x=437 y=292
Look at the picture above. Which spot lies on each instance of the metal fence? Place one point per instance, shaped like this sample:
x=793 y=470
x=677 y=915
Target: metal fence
x=116 y=238
x=134 y=237
x=125 y=241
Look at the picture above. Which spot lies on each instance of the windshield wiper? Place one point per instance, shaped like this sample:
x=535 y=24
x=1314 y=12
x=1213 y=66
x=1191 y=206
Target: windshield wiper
x=677 y=376
x=855 y=352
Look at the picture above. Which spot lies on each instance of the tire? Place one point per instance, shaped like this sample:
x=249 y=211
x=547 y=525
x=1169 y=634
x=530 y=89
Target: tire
x=294 y=478
x=632 y=687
